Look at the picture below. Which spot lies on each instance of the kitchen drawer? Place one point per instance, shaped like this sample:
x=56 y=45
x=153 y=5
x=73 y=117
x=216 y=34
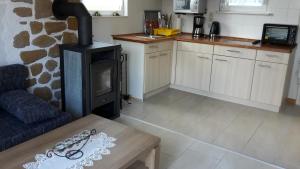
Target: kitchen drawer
x=235 y=52
x=157 y=47
x=195 y=47
x=275 y=57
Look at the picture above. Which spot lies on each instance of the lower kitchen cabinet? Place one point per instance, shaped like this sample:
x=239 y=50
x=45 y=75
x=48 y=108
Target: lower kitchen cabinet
x=252 y=77
x=151 y=72
x=149 y=67
x=268 y=83
x=193 y=70
x=165 y=68
x=157 y=70
x=232 y=76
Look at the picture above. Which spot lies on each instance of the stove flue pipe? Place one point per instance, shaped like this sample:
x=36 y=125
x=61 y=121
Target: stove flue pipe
x=62 y=9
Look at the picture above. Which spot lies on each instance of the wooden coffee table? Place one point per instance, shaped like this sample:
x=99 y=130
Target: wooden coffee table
x=131 y=146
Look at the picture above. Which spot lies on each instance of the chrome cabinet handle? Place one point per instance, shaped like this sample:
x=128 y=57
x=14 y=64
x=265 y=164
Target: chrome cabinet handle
x=202 y=57
x=152 y=57
x=265 y=66
x=153 y=47
x=222 y=60
x=272 y=56
x=164 y=54
x=234 y=51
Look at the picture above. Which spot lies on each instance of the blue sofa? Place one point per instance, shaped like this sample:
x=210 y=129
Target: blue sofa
x=14 y=131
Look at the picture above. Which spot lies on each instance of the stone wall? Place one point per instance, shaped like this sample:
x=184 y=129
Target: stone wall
x=31 y=37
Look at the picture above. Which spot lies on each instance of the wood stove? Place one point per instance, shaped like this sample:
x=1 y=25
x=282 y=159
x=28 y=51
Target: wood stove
x=91 y=79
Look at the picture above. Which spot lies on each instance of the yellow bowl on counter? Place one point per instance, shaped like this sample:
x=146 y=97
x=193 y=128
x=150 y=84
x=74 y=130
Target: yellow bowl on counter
x=166 y=31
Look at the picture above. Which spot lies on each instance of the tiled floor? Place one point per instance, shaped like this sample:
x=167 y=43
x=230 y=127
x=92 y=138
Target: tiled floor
x=229 y=129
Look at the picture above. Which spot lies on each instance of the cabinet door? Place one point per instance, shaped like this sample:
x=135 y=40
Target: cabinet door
x=268 y=83
x=232 y=76
x=193 y=70
x=164 y=68
x=151 y=72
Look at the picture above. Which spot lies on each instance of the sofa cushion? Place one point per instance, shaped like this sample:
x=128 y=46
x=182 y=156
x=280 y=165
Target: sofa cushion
x=27 y=107
x=14 y=131
x=13 y=77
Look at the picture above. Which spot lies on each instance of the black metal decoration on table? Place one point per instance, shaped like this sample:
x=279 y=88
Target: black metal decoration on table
x=72 y=148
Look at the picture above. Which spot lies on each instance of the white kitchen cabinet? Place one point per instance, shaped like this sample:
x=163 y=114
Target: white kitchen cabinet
x=149 y=67
x=157 y=70
x=268 y=83
x=232 y=76
x=193 y=70
x=152 y=72
x=164 y=68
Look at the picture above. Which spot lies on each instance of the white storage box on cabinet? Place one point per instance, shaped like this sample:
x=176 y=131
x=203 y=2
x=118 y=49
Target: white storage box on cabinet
x=232 y=76
x=193 y=70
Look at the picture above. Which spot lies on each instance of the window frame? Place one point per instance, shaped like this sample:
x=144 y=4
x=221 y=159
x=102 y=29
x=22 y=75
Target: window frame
x=243 y=9
x=122 y=12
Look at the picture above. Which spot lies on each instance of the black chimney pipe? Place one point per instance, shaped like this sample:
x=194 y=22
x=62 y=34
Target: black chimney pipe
x=62 y=9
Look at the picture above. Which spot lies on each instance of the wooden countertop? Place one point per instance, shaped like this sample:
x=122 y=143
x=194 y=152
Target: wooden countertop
x=224 y=41
x=137 y=37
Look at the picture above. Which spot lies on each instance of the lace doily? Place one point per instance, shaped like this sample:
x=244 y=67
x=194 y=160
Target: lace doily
x=96 y=146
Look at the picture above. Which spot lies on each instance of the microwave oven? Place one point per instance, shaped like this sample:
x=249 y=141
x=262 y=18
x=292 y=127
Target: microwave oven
x=279 y=34
x=190 y=6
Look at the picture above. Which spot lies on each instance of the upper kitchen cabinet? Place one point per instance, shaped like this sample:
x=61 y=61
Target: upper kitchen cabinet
x=190 y=6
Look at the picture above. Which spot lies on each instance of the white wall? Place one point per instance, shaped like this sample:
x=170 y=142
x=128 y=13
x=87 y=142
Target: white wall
x=249 y=26
x=104 y=27
x=8 y=28
x=3 y=59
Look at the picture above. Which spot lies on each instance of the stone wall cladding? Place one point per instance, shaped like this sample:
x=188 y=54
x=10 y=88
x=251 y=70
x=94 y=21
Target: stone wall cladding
x=38 y=45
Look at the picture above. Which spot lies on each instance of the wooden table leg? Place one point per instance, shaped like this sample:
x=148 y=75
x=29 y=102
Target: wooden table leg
x=152 y=160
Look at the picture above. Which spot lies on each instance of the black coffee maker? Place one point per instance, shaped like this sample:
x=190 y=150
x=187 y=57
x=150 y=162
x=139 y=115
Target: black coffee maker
x=198 y=28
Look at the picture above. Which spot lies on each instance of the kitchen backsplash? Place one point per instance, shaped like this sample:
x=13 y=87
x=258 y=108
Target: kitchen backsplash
x=247 y=26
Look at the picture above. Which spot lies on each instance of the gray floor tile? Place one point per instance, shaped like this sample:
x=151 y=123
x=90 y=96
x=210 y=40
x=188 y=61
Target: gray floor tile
x=264 y=135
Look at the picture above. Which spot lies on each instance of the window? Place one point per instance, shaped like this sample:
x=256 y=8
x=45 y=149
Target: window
x=106 y=7
x=244 y=6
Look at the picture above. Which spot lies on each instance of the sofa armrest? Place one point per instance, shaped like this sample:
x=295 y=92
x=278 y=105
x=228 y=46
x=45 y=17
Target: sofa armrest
x=13 y=77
